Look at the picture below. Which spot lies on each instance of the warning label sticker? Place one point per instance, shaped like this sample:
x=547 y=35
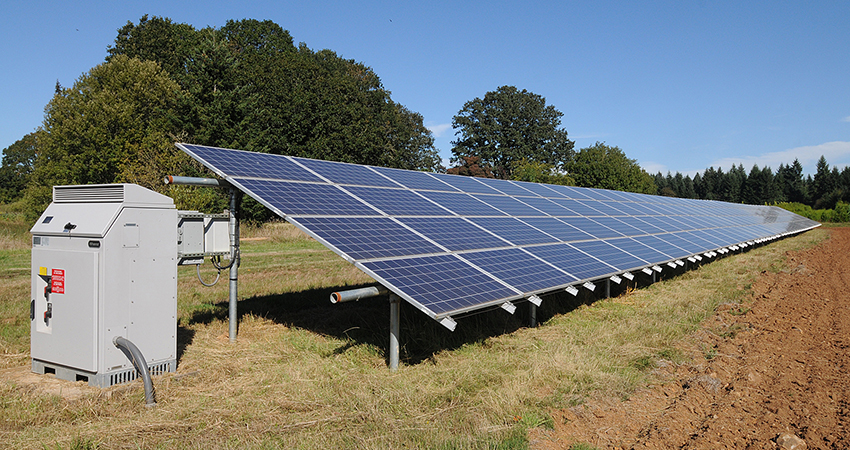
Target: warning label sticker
x=57 y=281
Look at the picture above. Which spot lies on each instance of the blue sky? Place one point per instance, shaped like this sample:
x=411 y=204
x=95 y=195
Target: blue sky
x=679 y=86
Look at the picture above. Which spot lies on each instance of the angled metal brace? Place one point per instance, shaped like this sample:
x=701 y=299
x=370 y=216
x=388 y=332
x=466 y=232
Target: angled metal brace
x=571 y=290
x=509 y=307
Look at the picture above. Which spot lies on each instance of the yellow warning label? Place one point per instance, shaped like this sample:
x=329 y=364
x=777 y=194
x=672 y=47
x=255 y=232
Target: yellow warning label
x=42 y=271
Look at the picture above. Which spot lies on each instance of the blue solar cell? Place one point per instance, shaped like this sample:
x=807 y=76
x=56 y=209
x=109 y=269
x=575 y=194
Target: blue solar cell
x=237 y=163
x=442 y=284
x=343 y=173
x=577 y=207
x=665 y=223
x=626 y=209
x=454 y=233
x=638 y=223
x=572 y=261
x=462 y=204
x=368 y=237
x=470 y=185
x=594 y=194
x=507 y=187
x=663 y=246
x=639 y=250
x=519 y=269
x=415 y=180
x=547 y=206
x=397 y=202
x=644 y=209
x=543 y=190
x=697 y=239
x=570 y=192
x=610 y=255
x=591 y=227
x=513 y=230
x=510 y=205
x=619 y=226
x=560 y=230
x=685 y=243
x=304 y=198
x=606 y=208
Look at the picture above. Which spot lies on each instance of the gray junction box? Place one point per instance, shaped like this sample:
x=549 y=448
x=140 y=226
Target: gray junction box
x=104 y=264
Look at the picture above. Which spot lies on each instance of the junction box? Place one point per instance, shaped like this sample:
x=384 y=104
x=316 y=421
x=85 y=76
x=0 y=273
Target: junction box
x=104 y=264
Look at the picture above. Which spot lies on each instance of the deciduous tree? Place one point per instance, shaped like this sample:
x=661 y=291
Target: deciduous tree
x=509 y=125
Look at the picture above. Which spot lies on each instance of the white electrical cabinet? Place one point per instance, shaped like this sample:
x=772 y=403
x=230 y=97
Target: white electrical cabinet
x=104 y=264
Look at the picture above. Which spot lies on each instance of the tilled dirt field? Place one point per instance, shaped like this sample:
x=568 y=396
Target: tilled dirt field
x=774 y=365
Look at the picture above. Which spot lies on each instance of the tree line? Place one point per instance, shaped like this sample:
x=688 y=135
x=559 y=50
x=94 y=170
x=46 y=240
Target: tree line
x=762 y=186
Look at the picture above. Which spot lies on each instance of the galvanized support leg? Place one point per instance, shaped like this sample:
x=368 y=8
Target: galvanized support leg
x=233 y=317
x=395 y=319
x=532 y=315
x=608 y=288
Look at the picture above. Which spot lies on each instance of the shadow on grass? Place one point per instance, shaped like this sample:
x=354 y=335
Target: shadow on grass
x=367 y=321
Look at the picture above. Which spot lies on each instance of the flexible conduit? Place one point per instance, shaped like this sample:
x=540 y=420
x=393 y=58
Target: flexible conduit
x=135 y=356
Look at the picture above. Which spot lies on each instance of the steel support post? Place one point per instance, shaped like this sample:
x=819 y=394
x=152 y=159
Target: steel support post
x=532 y=315
x=608 y=288
x=395 y=319
x=233 y=318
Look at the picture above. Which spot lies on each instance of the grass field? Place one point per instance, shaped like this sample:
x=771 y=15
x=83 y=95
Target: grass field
x=308 y=374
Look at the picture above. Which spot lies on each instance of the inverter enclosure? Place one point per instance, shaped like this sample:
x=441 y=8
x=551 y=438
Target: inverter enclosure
x=104 y=265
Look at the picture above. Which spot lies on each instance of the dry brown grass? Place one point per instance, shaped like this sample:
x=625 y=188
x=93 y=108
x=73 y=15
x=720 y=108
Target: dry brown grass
x=305 y=374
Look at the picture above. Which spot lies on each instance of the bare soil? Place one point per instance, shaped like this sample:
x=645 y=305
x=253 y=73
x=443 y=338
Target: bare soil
x=776 y=363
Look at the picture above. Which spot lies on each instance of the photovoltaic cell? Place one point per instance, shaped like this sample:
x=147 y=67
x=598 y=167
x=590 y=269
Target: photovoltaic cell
x=610 y=255
x=507 y=187
x=519 y=269
x=462 y=204
x=454 y=233
x=236 y=163
x=469 y=185
x=451 y=244
x=342 y=173
x=305 y=198
x=591 y=227
x=367 y=237
x=443 y=284
x=572 y=261
x=513 y=230
x=509 y=205
x=560 y=230
x=398 y=202
x=663 y=246
x=415 y=180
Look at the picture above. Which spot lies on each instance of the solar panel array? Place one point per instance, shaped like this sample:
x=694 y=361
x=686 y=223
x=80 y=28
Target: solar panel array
x=451 y=244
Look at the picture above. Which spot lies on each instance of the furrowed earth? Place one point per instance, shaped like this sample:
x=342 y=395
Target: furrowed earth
x=772 y=367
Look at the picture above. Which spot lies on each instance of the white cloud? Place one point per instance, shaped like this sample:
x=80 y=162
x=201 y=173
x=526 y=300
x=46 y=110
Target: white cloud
x=653 y=167
x=438 y=130
x=836 y=153
x=846 y=119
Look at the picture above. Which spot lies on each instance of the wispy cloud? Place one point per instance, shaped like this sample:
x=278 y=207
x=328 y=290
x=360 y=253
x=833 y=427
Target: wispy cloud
x=653 y=167
x=834 y=152
x=846 y=119
x=439 y=130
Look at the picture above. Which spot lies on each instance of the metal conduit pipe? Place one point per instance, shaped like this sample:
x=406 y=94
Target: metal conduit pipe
x=135 y=356
x=357 y=294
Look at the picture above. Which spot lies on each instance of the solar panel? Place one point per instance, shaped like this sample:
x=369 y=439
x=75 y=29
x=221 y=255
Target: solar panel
x=450 y=244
